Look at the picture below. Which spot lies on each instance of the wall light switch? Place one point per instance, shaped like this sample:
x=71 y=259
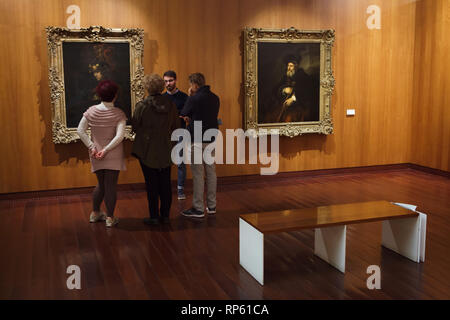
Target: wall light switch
x=350 y=112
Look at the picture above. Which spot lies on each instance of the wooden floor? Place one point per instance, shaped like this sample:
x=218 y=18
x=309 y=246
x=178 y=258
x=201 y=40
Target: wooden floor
x=190 y=259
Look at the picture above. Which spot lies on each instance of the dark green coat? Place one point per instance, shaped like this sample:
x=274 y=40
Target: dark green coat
x=153 y=121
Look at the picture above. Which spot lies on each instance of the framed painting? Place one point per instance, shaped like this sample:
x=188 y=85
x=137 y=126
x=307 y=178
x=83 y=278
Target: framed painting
x=288 y=81
x=78 y=60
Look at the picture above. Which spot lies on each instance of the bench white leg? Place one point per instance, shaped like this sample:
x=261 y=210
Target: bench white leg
x=329 y=245
x=423 y=234
x=251 y=250
x=406 y=236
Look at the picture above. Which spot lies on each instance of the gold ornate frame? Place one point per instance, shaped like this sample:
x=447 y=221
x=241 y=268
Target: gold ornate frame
x=326 y=39
x=55 y=38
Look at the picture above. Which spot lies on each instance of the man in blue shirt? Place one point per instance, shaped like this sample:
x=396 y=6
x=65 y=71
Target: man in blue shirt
x=179 y=98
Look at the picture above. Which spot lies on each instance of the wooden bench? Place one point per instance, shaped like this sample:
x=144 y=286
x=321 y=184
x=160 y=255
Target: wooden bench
x=403 y=231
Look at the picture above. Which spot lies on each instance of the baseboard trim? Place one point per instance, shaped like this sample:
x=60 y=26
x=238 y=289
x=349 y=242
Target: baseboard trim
x=311 y=173
x=230 y=180
x=438 y=172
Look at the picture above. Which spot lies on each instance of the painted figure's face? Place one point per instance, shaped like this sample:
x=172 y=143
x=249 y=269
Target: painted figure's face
x=98 y=75
x=170 y=82
x=290 y=69
x=291 y=66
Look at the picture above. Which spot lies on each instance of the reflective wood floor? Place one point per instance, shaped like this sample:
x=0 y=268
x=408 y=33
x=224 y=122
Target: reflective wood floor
x=199 y=259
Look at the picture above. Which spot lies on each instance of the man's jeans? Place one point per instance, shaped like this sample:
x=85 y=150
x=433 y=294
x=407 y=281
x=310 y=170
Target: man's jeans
x=181 y=175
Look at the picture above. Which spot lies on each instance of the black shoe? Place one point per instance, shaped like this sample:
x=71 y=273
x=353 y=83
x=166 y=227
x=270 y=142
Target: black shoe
x=151 y=221
x=211 y=211
x=165 y=220
x=193 y=213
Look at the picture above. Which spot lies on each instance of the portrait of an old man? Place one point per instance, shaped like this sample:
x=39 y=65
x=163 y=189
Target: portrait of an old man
x=288 y=83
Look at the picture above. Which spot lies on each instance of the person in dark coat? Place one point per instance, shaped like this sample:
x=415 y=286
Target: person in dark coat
x=153 y=121
x=202 y=105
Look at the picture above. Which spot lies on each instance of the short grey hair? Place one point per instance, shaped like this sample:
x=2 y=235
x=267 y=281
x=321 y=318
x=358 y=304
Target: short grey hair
x=198 y=79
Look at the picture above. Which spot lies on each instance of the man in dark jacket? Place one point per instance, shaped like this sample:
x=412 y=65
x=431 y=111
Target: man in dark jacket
x=202 y=105
x=179 y=98
x=153 y=121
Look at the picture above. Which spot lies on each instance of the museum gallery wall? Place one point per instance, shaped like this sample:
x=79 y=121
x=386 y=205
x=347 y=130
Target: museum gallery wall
x=377 y=72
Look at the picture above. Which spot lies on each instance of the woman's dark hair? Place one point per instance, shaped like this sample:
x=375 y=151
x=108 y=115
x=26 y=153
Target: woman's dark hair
x=107 y=90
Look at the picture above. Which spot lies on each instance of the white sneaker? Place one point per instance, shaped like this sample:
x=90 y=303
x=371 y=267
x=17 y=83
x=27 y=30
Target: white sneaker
x=95 y=217
x=111 y=221
x=181 y=195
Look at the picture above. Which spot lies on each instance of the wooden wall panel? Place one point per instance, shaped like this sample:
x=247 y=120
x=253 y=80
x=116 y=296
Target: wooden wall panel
x=373 y=71
x=430 y=116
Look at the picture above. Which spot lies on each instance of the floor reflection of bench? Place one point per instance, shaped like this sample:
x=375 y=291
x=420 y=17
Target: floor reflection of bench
x=403 y=231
